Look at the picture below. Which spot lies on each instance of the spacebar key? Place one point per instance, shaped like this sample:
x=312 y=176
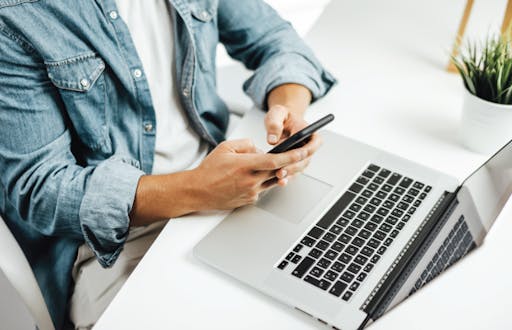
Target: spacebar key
x=303 y=267
x=336 y=210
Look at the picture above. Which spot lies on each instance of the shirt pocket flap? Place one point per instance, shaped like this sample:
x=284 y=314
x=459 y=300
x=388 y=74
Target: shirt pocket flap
x=78 y=73
x=203 y=13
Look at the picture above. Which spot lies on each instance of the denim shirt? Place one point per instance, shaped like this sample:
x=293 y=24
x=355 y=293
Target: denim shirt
x=77 y=120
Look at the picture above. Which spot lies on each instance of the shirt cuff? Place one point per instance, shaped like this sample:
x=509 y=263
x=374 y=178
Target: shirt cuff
x=285 y=69
x=106 y=205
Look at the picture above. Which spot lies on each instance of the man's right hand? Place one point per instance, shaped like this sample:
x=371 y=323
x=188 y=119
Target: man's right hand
x=235 y=173
x=232 y=175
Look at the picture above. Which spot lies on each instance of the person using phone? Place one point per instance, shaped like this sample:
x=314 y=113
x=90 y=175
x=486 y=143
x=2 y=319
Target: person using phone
x=111 y=123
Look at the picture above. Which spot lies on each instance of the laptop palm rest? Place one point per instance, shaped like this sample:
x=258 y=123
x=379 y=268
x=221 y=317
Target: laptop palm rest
x=293 y=202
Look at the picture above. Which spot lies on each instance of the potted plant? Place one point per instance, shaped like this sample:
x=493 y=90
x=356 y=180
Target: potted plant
x=486 y=70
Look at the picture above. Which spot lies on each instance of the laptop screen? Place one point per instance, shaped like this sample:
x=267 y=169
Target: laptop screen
x=490 y=185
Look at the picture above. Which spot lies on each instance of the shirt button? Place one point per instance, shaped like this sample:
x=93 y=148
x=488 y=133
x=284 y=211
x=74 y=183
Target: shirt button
x=137 y=73
x=85 y=83
x=186 y=92
x=148 y=127
x=113 y=14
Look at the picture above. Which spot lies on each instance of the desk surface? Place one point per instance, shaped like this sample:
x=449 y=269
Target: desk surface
x=393 y=93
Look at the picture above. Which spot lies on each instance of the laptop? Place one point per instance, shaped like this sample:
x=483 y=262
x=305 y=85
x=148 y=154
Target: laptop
x=358 y=232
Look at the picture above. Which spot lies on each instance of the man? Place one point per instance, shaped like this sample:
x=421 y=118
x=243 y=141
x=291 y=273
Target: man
x=107 y=109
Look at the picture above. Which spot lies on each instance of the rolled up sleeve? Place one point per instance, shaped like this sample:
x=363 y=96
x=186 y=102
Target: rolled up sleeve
x=256 y=35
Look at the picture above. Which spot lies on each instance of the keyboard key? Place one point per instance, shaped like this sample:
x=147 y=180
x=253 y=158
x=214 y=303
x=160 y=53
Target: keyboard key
x=344 y=238
x=379 y=235
x=354 y=286
x=362 y=180
x=394 y=198
x=378 y=180
x=355 y=207
x=397 y=213
x=316 y=232
x=400 y=225
x=322 y=284
x=373 y=243
x=406 y=182
x=296 y=259
x=399 y=190
x=418 y=185
x=408 y=199
x=358 y=241
x=317 y=272
x=406 y=217
x=349 y=214
x=394 y=178
x=331 y=254
x=338 y=288
x=329 y=237
x=375 y=258
x=375 y=201
x=303 y=267
x=373 y=187
x=384 y=173
x=422 y=196
x=381 y=250
x=388 y=241
x=324 y=263
x=290 y=256
x=347 y=277
x=383 y=212
x=283 y=264
x=337 y=246
x=322 y=245
x=391 y=220
x=308 y=241
x=315 y=253
x=388 y=204
x=297 y=248
x=402 y=206
x=373 y=168
x=365 y=233
x=368 y=174
x=361 y=200
x=369 y=208
x=363 y=215
x=411 y=210
x=354 y=268
x=377 y=218
x=330 y=275
x=335 y=229
x=367 y=251
x=417 y=203
x=368 y=267
x=358 y=223
x=351 y=231
x=387 y=188
x=367 y=193
x=352 y=250
x=381 y=194
x=336 y=209
x=361 y=277
x=338 y=266
x=356 y=188
x=361 y=259
x=385 y=227
x=428 y=188
x=342 y=222
x=347 y=296
x=345 y=258
x=413 y=192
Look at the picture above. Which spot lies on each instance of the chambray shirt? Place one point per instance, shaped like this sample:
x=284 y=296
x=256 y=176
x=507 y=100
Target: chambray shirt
x=77 y=124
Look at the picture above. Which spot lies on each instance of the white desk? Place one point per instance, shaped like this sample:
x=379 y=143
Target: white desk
x=393 y=94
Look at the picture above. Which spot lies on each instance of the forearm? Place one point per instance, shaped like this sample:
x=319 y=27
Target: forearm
x=295 y=97
x=161 y=197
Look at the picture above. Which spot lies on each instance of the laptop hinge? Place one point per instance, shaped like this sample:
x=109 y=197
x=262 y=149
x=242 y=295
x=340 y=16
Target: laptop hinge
x=391 y=282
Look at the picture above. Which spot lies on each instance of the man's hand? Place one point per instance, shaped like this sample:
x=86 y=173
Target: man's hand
x=287 y=104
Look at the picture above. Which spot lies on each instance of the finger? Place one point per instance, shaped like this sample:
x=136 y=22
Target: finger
x=275 y=161
x=297 y=167
x=274 y=123
x=240 y=146
x=263 y=176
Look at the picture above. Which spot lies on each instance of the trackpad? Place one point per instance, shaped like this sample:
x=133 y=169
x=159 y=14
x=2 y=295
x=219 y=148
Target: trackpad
x=294 y=201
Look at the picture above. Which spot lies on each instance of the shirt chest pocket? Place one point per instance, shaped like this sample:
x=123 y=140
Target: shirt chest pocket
x=81 y=84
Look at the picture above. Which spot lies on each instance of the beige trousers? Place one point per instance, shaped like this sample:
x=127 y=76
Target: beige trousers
x=95 y=286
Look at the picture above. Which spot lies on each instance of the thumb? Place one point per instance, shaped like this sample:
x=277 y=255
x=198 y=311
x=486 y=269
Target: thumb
x=274 y=123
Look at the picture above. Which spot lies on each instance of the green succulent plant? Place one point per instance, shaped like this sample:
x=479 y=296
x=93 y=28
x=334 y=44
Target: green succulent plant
x=486 y=69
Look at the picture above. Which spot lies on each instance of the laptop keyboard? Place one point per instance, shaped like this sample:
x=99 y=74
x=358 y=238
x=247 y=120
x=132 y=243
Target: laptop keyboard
x=457 y=244
x=339 y=252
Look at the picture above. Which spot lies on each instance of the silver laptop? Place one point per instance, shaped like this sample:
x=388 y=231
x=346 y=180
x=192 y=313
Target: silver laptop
x=358 y=232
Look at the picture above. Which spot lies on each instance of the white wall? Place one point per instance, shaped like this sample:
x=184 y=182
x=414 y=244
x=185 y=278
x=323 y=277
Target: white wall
x=301 y=13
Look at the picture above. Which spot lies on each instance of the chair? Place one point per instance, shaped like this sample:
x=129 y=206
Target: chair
x=16 y=270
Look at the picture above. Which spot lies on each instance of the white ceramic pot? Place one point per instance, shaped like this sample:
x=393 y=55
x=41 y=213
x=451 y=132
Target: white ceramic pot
x=485 y=126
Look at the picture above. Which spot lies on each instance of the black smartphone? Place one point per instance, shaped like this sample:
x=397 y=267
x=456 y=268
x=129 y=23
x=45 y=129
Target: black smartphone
x=302 y=137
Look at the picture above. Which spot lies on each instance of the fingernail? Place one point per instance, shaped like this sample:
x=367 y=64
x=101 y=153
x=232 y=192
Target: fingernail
x=272 y=138
x=284 y=173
